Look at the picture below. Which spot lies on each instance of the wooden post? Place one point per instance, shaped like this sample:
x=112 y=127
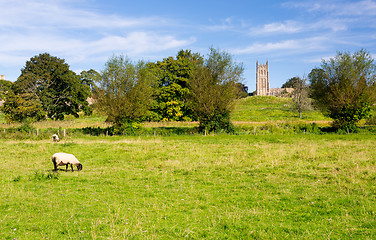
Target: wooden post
x=37 y=132
x=64 y=133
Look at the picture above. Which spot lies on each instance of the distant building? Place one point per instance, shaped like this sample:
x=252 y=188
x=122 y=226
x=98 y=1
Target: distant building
x=2 y=77
x=262 y=79
x=262 y=83
x=279 y=92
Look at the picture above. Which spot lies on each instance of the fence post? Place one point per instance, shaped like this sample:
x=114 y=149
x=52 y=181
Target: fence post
x=64 y=133
x=37 y=132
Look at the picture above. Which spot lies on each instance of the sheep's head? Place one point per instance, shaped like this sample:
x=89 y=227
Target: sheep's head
x=55 y=138
x=79 y=167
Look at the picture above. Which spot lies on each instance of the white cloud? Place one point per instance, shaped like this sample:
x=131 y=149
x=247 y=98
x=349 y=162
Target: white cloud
x=337 y=7
x=138 y=42
x=227 y=24
x=296 y=46
x=294 y=27
x=132 y=44
x=29 y=27
x=361 y=8
x=286 y=27
x=48 y=14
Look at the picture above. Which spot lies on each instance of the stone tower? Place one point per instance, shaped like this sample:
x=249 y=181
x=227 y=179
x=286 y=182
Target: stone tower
x=262 y=79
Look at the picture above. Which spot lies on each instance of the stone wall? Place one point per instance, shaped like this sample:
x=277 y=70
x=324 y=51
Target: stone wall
x=279 y=92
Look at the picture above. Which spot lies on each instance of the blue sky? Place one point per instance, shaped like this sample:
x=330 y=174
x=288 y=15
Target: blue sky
x=294 y=36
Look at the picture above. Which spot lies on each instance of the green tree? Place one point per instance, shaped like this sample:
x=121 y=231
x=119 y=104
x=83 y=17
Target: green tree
x=5 y=87
x=125 y=91
x=22 y=107
x=300 y=95
x=214 y=87
x=89 y=78
x=292 y=82
x=242 y=90
x=344 y=88
x=50 y=80
x=172 y=91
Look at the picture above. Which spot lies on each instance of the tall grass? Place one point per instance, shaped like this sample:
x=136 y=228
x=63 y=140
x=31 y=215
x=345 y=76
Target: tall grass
x=214 y=187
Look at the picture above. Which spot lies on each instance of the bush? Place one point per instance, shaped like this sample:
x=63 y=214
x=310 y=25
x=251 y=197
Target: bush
x=216 y=122
x=307 y=128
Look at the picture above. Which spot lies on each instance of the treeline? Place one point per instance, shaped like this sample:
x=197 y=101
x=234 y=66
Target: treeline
x=342 y=88
x=182 y=88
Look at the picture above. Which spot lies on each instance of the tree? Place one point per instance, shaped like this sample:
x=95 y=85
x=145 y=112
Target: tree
x=344 y=88
x=89 y=78
x=125 y=91
x=214 y=88
x=50 y=80
x=242 y=90
x=22 y=107
x=292 y=82
x=300 y=95
x=5 y=87
x=172 y=91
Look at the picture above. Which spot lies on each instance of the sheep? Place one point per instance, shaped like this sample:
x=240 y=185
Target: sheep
x=60 y=159
x=55 y=138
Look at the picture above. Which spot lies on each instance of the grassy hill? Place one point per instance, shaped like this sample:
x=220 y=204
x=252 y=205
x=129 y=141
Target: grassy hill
x=270 y=108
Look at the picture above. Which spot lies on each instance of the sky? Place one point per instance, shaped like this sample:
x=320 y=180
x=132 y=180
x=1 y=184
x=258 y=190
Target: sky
x=293 y=36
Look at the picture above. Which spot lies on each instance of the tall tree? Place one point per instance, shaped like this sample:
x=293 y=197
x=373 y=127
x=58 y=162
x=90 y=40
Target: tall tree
x=50 y=80
x=171 y=91
x=344 y=88
x=214 y=87
x=89 y=78
x=125 y=90
x=300 y=95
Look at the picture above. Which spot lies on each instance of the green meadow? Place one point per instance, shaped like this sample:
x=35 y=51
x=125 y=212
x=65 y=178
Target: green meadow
x=270 y=108
x=274 y=185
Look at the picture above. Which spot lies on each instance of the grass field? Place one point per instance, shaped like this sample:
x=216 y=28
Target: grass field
x=268 y=182
x=195 y=187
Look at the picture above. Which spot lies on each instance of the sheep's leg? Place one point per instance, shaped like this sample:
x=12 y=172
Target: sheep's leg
x=71 y=165
x=54 y=162
x=66 y=167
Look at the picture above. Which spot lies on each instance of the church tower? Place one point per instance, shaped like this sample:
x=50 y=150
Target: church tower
x=262 y=79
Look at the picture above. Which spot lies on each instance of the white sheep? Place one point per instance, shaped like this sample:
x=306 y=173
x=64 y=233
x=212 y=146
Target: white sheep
x=55 y=138
x=61 y=159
